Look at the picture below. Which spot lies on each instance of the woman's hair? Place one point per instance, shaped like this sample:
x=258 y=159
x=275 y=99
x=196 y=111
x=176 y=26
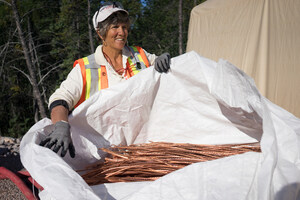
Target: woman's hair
x=113 y=19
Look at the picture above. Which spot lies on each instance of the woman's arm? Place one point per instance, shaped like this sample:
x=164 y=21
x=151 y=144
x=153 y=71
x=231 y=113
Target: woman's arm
x=59 y=113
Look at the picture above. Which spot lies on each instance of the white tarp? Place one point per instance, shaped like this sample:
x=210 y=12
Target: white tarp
x=198 y=101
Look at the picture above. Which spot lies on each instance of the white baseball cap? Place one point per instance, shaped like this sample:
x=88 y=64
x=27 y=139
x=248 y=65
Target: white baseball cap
x=105 y=11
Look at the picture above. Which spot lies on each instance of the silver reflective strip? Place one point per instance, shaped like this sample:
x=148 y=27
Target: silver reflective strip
x=94 y=74
x=92 y=62
x=94 y=81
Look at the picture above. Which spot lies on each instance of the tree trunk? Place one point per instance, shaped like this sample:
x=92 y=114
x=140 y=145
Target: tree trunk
x=180 y=27
x=32 y=73
x=35 y=61
x=92 y=49
x=195 y=3
x=36 y=111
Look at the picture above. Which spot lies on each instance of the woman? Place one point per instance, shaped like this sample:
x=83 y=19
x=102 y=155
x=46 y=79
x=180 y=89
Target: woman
x=112 y=62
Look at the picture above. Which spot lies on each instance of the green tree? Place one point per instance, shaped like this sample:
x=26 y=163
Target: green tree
x=157 y=28
x=18 y=100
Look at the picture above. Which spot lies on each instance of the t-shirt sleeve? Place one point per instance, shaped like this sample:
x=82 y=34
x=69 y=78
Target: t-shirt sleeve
x=70 y=89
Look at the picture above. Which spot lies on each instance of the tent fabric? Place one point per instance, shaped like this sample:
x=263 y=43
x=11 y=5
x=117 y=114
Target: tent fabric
x=261 y=37
x=216 y=104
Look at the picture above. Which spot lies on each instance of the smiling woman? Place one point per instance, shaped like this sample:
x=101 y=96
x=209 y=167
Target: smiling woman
x=114 y=32
x=112 y=63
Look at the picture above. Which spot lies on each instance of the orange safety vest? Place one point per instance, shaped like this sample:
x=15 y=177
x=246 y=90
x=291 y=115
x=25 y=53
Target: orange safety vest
x=95 y=77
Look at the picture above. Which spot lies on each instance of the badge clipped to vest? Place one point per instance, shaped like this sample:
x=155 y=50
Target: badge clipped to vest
x=138 y=65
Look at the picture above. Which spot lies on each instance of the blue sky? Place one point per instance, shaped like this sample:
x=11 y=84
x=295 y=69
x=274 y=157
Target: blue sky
x=143 y=2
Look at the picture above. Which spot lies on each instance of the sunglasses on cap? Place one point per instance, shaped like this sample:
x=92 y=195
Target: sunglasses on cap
x=108 y=5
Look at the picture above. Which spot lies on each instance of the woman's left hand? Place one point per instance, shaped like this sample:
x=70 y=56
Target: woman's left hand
x=162 y=63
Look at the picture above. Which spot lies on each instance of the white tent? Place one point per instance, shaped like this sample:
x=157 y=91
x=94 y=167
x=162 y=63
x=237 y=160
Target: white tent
x=261 y=37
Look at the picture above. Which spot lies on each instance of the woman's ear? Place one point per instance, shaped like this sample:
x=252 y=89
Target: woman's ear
x=102 y=39
x=98 y=32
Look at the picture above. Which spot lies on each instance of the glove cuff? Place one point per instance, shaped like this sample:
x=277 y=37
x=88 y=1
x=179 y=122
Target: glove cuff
x=62 y=123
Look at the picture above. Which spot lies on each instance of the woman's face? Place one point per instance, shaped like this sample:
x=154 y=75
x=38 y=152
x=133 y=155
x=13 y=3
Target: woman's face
x=116 y=36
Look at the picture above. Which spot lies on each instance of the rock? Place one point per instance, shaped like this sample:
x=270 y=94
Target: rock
x=9 y=153
x=18 y=140
x=7 y=140
x=15 y=153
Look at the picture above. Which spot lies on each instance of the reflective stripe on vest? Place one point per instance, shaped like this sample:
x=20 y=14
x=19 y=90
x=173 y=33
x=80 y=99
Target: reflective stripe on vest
x=94 y=77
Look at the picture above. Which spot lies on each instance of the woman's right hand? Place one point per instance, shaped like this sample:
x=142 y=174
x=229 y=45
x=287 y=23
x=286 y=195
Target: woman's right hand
x=60 y=138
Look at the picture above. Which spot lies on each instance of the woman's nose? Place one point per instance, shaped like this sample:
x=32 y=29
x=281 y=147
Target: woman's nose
x=121 y=31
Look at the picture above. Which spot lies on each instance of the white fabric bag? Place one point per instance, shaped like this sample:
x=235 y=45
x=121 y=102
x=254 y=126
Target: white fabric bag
x=198 y=101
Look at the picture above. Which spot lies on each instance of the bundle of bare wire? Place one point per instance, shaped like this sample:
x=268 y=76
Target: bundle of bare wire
x=150 y=161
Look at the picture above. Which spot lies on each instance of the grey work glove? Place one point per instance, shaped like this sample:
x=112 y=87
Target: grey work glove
x=60 y=138
x=162 y=63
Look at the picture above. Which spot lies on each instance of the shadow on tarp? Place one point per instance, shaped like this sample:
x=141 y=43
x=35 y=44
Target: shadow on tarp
x=290 y=191
x=248 y=123
x=102 y=192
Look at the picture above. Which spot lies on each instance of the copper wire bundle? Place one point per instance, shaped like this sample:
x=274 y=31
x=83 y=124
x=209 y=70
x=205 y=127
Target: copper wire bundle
x=149 y=161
